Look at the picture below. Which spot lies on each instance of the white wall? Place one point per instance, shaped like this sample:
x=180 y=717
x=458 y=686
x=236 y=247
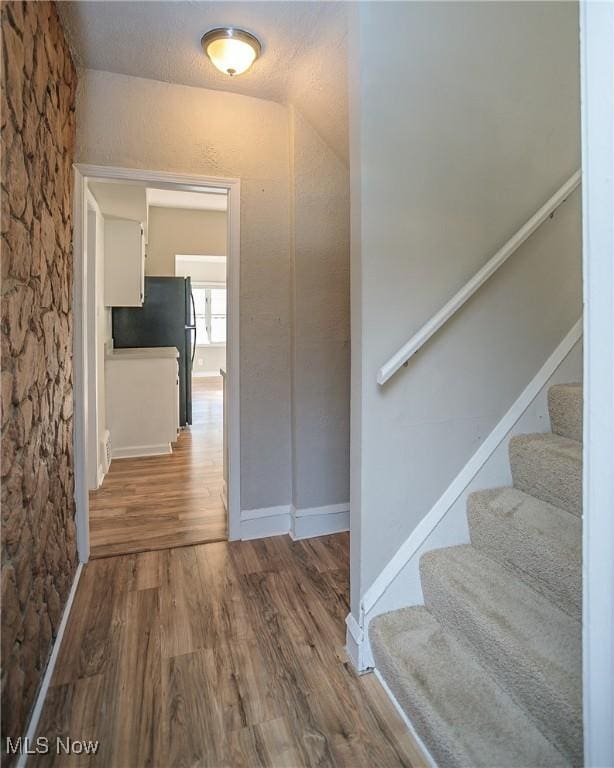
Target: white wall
x=481 y=128
x=138 y=123
x=321 y=320
x=202 y=270
x=175 y=231
x=209 y=359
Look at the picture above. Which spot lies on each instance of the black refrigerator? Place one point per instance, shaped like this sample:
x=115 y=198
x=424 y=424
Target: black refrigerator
x=166 y=319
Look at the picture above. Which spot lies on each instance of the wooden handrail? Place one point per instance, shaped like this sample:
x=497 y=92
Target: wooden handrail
x=492 y=265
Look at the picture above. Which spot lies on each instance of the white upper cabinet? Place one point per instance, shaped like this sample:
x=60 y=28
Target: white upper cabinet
x=124 y=263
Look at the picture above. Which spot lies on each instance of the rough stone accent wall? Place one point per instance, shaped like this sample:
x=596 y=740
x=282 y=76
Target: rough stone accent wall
x=38 y=529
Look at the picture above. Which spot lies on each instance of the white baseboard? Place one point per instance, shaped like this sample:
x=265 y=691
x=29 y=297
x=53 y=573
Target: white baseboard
x=445 y=524
x=299 y=523
x=265 y=512
x=206 y=374
x=330 y=509
x=428 y=758
x=266 y=521
x=136 y=451
x=320 y=521
x=44 y=687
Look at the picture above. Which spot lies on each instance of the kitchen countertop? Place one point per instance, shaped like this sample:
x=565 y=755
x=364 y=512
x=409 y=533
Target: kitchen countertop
x=141 y=353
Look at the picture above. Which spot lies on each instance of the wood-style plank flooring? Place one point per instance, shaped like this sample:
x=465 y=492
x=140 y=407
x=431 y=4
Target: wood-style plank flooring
x=223 y=654
x=166 y=501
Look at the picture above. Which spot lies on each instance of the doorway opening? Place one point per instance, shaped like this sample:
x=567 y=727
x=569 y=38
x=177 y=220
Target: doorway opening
x=208 y=277
x=156 y=352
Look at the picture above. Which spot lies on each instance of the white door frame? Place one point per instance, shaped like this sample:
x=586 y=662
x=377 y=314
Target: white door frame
x=90 y=245
x=83 y=314
x=597 y=112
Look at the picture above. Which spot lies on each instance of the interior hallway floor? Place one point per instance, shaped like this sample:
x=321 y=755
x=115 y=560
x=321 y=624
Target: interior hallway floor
x=157 y=502
x=223 y=654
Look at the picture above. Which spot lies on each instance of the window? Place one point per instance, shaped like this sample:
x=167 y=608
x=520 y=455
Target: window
x=210 y=306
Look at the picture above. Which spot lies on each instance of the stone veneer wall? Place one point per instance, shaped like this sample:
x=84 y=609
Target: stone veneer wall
x=38 y=530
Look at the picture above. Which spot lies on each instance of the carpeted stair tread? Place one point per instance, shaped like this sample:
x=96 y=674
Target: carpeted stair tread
x=460 y=713
x=548 y=467
x=530 y=646
x=565 y=407
x=540 y=542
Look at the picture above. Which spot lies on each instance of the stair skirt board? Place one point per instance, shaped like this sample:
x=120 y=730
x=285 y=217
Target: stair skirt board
x=485 y=654
x=298 y=523
x=428 y=758
x=398 y=584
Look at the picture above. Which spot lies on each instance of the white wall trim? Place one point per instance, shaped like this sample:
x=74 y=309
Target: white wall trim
x=134 y=451
x=430 y=521
x=357 y=645
x=47 y=677
x=299 y=523
x=354 y=628
x=319 y=521
x=428 y=758
x=224 y=495
x=189 y=183
x=92 y=208
x=597 y=114
x=80 y=367
x=266 y=521
x=358 y=651
x=257 y=514
x=331 y=509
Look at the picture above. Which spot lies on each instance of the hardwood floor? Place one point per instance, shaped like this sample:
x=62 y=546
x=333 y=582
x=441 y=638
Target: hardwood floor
x=223 y=654
x=166 y=501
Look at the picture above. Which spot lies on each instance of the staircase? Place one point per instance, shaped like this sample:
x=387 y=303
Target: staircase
x=489 y=669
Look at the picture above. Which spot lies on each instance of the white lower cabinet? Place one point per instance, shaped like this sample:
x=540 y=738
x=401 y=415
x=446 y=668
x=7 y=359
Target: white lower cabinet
x=142 y=390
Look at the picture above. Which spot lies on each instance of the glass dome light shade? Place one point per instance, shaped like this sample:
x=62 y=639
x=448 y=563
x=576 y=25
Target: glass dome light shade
x=231 y=50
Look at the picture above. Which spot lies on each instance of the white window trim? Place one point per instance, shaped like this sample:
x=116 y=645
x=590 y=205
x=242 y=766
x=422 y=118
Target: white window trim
x=203 y=285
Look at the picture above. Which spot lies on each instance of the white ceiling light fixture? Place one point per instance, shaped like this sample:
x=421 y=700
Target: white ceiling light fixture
x=231 y=50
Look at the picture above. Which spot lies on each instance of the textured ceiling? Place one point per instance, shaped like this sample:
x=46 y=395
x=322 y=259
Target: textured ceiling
x=304 y=58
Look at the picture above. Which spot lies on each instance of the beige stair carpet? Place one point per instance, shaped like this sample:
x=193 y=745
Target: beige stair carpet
x=489 y=669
